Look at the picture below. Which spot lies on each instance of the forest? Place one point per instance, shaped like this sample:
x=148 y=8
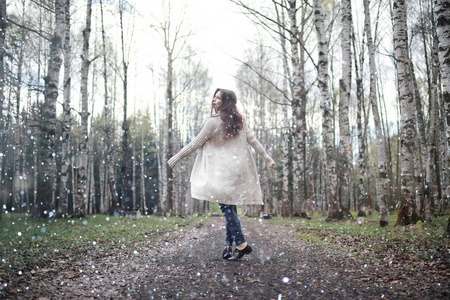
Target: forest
x=351 y=100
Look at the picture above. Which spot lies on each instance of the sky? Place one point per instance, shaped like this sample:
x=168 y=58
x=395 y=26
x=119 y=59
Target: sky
x=220 y=34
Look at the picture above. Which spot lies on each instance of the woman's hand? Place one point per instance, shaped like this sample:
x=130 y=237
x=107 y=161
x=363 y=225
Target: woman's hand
x=272 y=165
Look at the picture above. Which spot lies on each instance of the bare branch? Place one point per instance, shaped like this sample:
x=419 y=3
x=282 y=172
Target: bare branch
x=47 y=8
x=256 y=89
x=260 y=16
x=41 y=34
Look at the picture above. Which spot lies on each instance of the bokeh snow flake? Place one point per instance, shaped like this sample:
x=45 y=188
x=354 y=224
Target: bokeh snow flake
x=285 y=279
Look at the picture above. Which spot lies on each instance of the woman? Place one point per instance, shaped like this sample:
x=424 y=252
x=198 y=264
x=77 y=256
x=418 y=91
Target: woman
x=224 y=170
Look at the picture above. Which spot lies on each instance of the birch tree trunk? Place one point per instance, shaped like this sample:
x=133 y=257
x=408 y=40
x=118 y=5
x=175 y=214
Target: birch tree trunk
x=381 y=151
x=93 y=149
x=126 y=170
x=406 y=213
x=434 y=152
x=18 y=150
x=174 y=41
x=327 y=117
x=82 y=164
x=285 y=199
x=143 y=204
x=63 y=204
x=346 y=152
x=360 y=113
x=47 y=199
x=421 y=153
x=112 y=200
x=362 y=199
x=133 y=161
x=3 y=26
x=442 y=12
x=430 y=191
x=298 y=90
x=169 y=140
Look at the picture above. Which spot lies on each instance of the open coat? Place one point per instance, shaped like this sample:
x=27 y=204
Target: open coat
x=224 y=170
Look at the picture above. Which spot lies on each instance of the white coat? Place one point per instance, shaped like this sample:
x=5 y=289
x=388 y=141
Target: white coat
x=224 y=170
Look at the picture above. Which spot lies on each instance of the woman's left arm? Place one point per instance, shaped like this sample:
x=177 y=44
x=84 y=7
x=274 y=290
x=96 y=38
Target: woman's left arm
x=196 y=143
x=251 y=139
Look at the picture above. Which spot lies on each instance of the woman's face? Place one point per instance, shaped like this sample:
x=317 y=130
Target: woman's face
x=217 y=101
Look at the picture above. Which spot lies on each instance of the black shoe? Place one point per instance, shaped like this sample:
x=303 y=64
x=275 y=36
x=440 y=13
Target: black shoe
x=227 y=252
x=237 y=254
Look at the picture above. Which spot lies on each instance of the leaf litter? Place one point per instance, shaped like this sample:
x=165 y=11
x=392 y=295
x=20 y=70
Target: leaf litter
x=187 y=264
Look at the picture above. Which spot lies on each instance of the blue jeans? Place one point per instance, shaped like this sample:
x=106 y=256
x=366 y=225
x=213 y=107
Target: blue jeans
x=234 y=232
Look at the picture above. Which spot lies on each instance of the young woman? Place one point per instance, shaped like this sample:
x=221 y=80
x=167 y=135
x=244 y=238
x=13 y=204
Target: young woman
x=224 y=170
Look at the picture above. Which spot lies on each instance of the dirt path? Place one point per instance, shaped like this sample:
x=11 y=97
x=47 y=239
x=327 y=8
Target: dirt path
x=188 y=265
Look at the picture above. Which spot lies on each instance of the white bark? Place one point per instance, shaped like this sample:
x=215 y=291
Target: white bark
x=110 y=195
x=3 y=28
x=18 y=178
x=346 y=152
x=381 y=151
x=298 y=90
x=126 y=160
x=63 y=204
x=134 y=162
x=406 y=214
x=82 y=163
x=442 y=12
x=327 y=117
x=362 y=199
x=143 y=203
x=285 y=201
x=49 y=113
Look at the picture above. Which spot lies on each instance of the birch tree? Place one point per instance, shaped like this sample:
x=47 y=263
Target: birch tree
x=406 y=213
x=82 y=187
x=381 y=151
x=360 y=122
x=109 y=204
x=126 y=159
x=62 y=209
x=3 y=26
x=285 y=197
x=48 y=129
x=174 y=37
x=346 y=152
x=327 y=117
x=442 y=13
x=429 y=143
x=298 y=93
x=431 y=183
x=17 y=143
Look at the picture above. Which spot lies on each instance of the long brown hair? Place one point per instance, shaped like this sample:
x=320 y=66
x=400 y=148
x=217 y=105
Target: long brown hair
x=229 y=113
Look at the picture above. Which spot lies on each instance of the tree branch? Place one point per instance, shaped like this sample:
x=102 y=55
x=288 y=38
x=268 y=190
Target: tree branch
x=47 y=37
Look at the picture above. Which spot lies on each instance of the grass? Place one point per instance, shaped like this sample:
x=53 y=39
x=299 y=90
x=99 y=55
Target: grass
x=363 y=237
x=27 y=242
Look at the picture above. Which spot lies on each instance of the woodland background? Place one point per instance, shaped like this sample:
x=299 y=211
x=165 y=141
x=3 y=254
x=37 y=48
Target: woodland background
x=351 y=100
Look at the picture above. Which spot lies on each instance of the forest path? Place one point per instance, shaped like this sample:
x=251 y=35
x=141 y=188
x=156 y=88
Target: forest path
x=188 y=265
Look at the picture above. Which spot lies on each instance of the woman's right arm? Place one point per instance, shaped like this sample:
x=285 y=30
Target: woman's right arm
x=197 y=142
x=251 y=139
